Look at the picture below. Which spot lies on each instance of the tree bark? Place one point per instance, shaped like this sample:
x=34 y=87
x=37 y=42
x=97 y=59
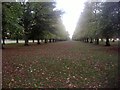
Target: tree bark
x=17 y=40
x=87 y=40
x=3 y=41
x=45 y=40
x=53 y=40
x=50 y=40
x=33 y=40
x=107 y=42
x=97 y=41
x=38 y=41
x=26 y=40
x=91 y=40
x=113 y=40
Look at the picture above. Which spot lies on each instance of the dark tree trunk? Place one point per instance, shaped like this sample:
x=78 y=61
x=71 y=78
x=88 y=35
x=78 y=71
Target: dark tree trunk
x=91 y=40
x=38 y=41
x=26 y=43
x=97 y=41
x=107 y=42
x=87 y=40
x=33 y=40
x=26 y=40
x=53 y=40
x=45 y=40
x=50 y=40
x=17 y=40
x=113 y=40
x=3 y=41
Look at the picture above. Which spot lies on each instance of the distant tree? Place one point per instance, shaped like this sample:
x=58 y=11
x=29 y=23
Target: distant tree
x=98 y=20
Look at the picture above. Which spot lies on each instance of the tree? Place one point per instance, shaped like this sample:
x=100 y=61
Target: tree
x=10 y=19
x=45 y=19
x=109 y=20
x=99 y=20
x=30 y=20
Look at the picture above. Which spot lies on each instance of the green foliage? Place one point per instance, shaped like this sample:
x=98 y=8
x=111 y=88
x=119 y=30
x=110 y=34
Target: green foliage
x=33 y=20
x=99 y=20
x=11 y=13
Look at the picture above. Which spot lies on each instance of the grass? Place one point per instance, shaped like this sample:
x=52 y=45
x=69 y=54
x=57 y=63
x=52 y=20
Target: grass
x=69 y=64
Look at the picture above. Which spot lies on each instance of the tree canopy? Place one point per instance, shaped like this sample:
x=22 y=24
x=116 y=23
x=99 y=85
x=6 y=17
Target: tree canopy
x=32 y=20
x=99 y=20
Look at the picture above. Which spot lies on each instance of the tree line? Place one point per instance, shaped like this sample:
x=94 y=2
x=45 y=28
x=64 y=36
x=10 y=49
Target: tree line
x=32 y=21
x=99 y=20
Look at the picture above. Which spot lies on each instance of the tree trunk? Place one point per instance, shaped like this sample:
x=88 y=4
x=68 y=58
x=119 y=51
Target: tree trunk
x=113 y=40
x=107 y=42
x=53 y=40
x=26 y=40
x=38 y=41
x=50 y=40
x=33 y=40
x=97 y=41
x=87 y=40
x=45 y=40
x=17 y=40
x=3 y=41
x=91 y=40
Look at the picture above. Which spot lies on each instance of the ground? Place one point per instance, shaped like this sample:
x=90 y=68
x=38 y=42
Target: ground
x=67 y=64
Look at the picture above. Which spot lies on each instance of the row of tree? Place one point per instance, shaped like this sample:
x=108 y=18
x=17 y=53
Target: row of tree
x=32 y=20
x=99 y=20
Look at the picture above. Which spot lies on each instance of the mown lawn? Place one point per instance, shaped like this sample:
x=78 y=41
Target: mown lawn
x=69 y=64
